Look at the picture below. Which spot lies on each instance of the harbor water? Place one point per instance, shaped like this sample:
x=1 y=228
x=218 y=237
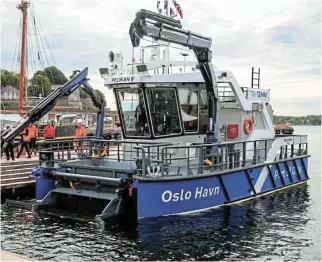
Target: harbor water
x=285 y=225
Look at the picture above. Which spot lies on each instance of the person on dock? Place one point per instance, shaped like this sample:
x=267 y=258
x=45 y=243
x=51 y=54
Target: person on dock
x=79 y=132
x=33 y=135
x=49 y=130
x=24 y=142
x=2 y=147
x=9 y=147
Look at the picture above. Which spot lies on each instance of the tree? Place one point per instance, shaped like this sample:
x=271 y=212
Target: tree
x=3 y=104
x=82 y=94
x=100 y=95
x=40 y=85
x=3 y=79
x=40 y=72
x=9 y=79
x=298 y=120
x=55 y=76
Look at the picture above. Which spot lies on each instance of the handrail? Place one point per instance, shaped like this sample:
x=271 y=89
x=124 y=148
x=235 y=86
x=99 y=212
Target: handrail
x=187 y=159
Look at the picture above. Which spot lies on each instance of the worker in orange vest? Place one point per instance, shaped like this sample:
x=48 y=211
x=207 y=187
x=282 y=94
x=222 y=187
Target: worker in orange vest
x=79 y=132
x=33 y=135
x=24 y=142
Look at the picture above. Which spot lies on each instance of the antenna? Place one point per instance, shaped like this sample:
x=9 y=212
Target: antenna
x=184 y=58
x=111 y=56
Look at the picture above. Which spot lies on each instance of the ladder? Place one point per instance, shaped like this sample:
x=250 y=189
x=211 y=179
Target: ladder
x=255 y=78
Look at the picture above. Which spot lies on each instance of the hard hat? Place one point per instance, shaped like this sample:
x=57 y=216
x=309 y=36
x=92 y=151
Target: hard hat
x=79 y=121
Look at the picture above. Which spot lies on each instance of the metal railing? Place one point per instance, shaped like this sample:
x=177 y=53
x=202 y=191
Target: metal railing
x=157 y=159
x=226 y=93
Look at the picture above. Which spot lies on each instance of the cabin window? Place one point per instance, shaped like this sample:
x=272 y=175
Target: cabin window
x=164 y=111
x=133 y=112
x=203 y=111
x=189 y=109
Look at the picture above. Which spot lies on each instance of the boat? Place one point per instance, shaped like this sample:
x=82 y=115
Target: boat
x=192 y=141
x=283 y=129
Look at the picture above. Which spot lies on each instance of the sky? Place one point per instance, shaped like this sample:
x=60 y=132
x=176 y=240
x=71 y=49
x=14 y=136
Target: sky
x=282 y=37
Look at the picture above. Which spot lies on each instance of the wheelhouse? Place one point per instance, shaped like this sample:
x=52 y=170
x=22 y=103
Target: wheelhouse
x=155 y=111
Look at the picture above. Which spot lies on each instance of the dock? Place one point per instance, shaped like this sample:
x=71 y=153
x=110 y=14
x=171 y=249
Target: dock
x=8 y=256
x=15 y=174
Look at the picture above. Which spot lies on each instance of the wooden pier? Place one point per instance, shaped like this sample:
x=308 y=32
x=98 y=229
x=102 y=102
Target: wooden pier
x=15 y=174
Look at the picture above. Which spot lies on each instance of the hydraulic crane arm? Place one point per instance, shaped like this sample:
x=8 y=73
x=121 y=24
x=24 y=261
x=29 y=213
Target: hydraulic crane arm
x=50 y=101
x=160 y=27
x=100 y=104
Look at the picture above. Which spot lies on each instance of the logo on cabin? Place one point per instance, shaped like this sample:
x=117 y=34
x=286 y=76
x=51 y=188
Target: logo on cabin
x=122 y=79
x=258 y=94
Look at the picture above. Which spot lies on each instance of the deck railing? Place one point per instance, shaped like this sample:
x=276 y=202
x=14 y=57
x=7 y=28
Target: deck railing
x=165 y=159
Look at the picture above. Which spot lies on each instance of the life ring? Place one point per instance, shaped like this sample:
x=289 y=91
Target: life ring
x=154 y=172
x=248 y=125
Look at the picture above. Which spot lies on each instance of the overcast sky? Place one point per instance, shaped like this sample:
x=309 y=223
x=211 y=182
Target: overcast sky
x=281 y=37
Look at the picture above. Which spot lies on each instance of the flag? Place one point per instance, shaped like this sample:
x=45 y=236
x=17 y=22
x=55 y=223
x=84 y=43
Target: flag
x=165 y=7
x=158 y=7
x=178 y=8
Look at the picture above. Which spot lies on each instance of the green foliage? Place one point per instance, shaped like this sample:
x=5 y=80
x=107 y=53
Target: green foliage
x=9 y=79
x=100 y=95
x=55 y=76
x=83 y=94
x=89 y=107
x=298 y=120
x=40 y=72
x=3 y=79
x=40 y=85
x=3 y=104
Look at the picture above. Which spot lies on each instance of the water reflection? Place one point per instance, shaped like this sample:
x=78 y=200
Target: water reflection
x=269 y=227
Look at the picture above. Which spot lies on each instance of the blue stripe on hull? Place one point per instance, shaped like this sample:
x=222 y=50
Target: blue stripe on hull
x=284 y=173
x=277 y=176
x=254 y=174
x=237 y=185
x=268 y=184
x=302 y=168
x=292 y=171
x=165 y=197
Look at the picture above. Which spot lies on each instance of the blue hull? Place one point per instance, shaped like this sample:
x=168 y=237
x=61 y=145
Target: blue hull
x=168 y=196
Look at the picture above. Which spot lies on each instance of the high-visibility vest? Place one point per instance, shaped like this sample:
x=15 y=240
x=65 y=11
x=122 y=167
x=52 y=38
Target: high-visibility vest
x=33 y=132
x=80 y=132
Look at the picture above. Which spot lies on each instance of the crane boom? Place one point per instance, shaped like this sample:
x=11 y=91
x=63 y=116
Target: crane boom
x=50 y=101
x=160 y=27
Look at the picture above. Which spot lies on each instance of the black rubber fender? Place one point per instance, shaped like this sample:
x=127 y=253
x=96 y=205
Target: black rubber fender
x=107 y=136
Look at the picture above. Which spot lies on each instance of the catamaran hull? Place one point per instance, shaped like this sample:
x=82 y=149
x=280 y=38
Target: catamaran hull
x=169 y=196
x=153 y=197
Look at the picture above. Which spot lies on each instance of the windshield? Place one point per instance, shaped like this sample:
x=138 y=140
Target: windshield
x=189 y=109
x=133 y=113
x=164 y=111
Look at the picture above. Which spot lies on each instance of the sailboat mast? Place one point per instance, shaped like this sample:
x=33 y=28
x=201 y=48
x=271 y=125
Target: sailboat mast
x=23 y=7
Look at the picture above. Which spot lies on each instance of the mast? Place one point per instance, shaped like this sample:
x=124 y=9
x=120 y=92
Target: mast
x=23 y=7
